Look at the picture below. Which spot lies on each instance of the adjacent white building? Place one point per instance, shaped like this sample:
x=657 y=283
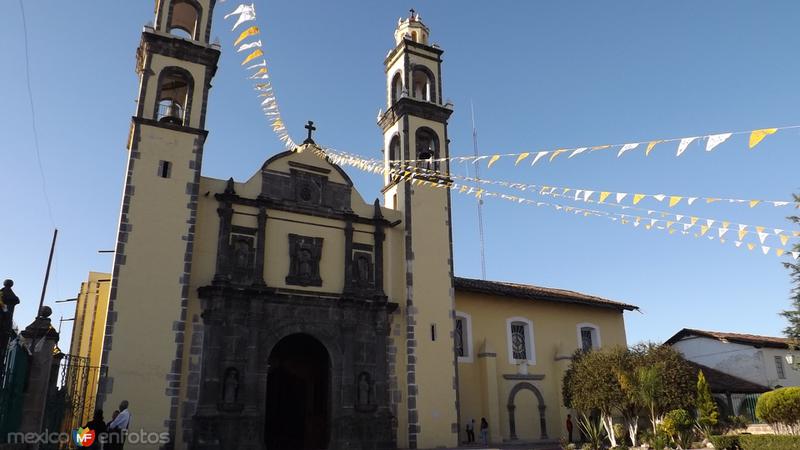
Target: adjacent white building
x=758 y=359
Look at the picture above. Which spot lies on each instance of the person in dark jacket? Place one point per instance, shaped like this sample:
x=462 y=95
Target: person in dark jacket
x=98 y=425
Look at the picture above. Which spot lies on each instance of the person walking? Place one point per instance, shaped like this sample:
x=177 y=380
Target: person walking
x=471 y=431
x=484 y=431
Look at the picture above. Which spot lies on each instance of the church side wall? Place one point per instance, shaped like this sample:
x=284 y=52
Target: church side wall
x=554 y=339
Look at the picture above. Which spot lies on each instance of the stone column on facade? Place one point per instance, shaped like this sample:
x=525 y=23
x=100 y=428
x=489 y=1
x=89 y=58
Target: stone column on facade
x=41 y=338
x=261 y=246
x=487 y=360
x=223 y=254
x=379 y=236
x=348 y=256
x=562 y=362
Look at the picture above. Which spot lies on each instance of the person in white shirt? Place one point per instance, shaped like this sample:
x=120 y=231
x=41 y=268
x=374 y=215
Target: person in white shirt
x=119 y=426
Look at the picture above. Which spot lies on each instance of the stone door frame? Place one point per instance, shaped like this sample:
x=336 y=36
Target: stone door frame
x=511 y=407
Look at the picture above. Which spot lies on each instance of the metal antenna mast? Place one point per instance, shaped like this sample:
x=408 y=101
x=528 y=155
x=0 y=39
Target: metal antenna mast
x=480 y=200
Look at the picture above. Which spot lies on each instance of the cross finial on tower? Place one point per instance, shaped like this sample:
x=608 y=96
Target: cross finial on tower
x=412 y=13
x=311 y=128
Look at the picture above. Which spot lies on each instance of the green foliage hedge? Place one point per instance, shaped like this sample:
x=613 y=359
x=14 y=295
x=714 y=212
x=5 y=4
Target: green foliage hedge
x=725 y=442
x=756 y=442
x=780 y=406
x=769 y=442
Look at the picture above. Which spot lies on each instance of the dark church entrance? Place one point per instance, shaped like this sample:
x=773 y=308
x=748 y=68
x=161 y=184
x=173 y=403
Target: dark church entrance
x=298 y=395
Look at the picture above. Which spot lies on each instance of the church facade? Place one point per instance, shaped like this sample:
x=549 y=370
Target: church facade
x=286 y=312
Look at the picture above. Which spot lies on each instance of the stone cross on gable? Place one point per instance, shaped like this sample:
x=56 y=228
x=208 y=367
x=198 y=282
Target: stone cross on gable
x=311 y=128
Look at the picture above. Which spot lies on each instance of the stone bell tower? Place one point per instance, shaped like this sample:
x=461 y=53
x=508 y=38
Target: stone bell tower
x=150 y=285
x=415 y=134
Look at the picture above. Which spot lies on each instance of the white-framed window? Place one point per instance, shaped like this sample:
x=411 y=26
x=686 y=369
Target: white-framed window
x=779 y=368
x=520 y=340
x=588 y=336
x=462 y=334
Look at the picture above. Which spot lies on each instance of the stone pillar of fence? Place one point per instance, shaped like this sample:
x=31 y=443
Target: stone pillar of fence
x=40 y=338
x=8 y=300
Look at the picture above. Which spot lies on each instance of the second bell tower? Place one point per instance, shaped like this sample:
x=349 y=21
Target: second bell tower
x=415 y=136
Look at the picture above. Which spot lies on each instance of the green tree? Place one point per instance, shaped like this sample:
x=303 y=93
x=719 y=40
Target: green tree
x=792 y=330
x=649 y=387
x=707 y=413
x=632 y=404
x=591 y=385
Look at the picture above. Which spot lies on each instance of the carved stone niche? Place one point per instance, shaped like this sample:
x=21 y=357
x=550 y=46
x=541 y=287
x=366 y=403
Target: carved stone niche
x=363 y=270
x=242 y=259
x=304 y=255
x=365 y=393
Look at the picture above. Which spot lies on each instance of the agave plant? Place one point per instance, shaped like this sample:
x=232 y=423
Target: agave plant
x=593 y=430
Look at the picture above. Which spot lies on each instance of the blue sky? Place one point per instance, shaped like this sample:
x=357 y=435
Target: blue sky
x=541 y=75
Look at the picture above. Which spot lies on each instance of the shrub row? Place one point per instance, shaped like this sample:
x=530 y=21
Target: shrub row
x=756 y=442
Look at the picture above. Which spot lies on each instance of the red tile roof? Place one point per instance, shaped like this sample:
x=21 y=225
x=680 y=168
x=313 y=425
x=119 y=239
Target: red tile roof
x=525 y=291
x=738 y=338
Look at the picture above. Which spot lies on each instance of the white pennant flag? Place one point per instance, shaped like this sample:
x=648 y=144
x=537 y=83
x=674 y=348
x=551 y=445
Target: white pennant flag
x=691 y=200
x=246 y=13
x=721 y=232
x=686 y=226
x=586 y=195
x=538 y=157
x=659 y=197
x=261 y=64
x=780 y=203
x=738 y=243
x=795 y=255
x=684 y=143
x=765 y=249
x=678 y=217
x=709 y=222
x=626 y=147
x=578 y=193
x=762 y=236
x=716 y=139
x=578 y=151
x=621 y=196
x=243 y=47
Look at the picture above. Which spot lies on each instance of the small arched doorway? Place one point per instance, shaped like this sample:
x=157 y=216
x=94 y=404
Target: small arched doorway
x=512 y=423
x=298 y=395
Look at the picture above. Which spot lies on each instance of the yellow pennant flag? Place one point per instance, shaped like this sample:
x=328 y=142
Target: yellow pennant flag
x=725 y=224
x=711 y=200
x=703 y=229
x=493 y=160
x=760 y=229
x=252 y=31
x=521 y=157
x=671 y=230
x=779 y=251
x=693 y=220
x=600 y=147
x=750 y=246
x=637 y=198
x=556 y=153
x=742 y=232
x=253 y=56
x=758 y=135
x=261 y=71
x=650 y=146
x=784 y=238
x=670 y=223
x=603 y=196
x=674 y=200
x=753 y=203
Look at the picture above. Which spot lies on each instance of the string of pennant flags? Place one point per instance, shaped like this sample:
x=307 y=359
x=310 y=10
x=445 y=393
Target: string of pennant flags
x=712 y=141
x=705 y=224
x=255 y=64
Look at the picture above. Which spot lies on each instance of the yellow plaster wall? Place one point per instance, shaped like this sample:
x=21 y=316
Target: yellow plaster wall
x=555 y=336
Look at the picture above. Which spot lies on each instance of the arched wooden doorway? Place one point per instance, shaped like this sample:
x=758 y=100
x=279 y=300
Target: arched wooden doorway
x=298 y=395
x=511 y=407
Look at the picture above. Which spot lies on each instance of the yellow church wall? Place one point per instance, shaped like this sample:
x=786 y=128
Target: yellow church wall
x=148 y=294
x=555 y=337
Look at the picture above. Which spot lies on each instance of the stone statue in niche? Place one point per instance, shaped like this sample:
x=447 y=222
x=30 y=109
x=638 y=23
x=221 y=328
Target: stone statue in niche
x=364 y=390
x=305 y=254
x=230 y=389
x=242 y=258
x=362 y=269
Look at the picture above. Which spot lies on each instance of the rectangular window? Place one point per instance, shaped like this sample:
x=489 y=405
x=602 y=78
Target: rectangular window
x=586 y=339
x=779 y=367
x=459 y=337
x=518 y=341
x=164 y=169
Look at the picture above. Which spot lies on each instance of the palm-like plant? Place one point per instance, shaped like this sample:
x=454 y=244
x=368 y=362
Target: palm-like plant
x=648 y=380
x=593 y=430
